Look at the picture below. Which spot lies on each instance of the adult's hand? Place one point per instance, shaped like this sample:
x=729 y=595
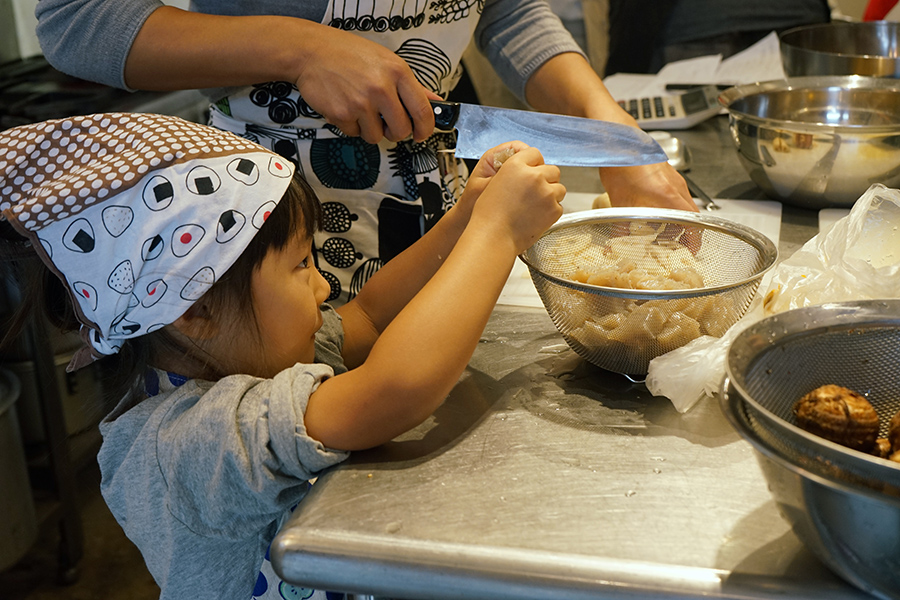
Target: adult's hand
x=359 y=86
x=566 y=84
x=363 y=88
x=658 y=185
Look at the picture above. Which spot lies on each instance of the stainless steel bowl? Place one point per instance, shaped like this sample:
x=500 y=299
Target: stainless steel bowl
x=622 y=329
x=817 y=142
x=844 y=505
x=842 y=48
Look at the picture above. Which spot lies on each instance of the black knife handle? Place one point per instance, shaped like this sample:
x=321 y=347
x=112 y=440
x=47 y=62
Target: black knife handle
x=445 y=114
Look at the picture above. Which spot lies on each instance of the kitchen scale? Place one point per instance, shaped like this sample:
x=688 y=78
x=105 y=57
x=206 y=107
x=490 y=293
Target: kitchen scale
x=679 y=111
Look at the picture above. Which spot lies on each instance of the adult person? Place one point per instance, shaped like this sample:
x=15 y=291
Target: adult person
x=645 y=35
x=341 y=88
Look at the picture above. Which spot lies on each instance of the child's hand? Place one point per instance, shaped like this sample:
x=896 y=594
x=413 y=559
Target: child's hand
x=521 y=199
x=487 y=167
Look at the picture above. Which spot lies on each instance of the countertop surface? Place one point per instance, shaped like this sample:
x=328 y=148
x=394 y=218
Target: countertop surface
x=542 y=476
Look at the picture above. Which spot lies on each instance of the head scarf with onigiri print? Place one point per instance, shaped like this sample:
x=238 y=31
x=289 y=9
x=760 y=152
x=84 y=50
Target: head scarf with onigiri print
x=137 y=214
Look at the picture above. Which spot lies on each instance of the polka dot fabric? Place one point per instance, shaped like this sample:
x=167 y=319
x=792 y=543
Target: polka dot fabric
x=138 y=214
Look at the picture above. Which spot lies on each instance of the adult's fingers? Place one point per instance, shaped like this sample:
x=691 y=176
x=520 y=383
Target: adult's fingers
x=415 y=100
x=371 y=127
x=397 y=123
x=348 y=128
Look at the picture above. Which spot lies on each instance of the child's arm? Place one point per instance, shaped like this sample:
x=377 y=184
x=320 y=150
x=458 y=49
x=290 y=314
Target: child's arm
x=395 y=284
x=420 y=355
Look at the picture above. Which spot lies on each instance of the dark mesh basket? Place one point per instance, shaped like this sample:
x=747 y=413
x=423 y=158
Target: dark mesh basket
x=774 y=362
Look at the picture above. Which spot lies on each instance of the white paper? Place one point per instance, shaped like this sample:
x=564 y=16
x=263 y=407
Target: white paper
x=624 y=86
x=702 y=69
x=759 y=62
x=829 y=216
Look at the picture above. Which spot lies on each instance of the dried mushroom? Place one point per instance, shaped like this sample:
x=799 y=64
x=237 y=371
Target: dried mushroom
x=882 y=448
x=840 y=415
x=894 y=432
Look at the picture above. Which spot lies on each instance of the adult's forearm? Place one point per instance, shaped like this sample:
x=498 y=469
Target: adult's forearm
x=357 y=85
x=177 y=49
x=567 y=84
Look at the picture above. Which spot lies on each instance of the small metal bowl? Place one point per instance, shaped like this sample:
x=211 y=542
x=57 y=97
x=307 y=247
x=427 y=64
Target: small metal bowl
x=817 y=142
x=843 y=504
x=622 y=329
x=870 y=48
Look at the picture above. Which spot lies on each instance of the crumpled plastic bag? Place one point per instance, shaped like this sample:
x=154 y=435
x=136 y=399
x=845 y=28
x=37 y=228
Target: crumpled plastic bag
x=857 y=259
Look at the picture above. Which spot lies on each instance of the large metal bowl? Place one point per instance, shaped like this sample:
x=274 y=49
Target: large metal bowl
x=869 y=48
x=844 y=505
x=817 y=142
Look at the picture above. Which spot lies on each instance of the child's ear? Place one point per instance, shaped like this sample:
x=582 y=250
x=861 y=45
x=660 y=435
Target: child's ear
x=196 y=322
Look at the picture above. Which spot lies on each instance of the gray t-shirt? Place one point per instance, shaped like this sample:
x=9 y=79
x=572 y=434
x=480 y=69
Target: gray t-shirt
x=201 y=474
x=91 y=39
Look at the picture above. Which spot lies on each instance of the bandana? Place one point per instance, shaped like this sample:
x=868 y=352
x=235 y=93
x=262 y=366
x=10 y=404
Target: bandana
x=137 y=214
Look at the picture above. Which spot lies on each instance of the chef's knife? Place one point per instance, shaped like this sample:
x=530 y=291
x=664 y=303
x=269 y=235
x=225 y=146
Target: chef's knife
x=562 y=140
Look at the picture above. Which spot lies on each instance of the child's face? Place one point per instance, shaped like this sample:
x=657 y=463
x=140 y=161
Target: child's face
x=287 y=291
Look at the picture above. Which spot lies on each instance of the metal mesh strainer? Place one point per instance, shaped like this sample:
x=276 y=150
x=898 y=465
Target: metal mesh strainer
x=622 y=329
x=774 y=362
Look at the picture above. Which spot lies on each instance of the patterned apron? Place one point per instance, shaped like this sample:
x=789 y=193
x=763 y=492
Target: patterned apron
x=377 y=198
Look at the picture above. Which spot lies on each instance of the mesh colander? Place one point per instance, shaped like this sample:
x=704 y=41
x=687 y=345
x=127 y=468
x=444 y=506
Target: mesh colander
x=620 y=329
x=774 y=362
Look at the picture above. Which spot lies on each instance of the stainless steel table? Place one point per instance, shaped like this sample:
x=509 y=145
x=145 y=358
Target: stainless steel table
x=542 y=476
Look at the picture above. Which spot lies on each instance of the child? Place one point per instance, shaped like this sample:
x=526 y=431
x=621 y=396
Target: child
x=187 y=259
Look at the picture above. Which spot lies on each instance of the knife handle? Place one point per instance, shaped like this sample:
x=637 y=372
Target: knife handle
x=445 y=114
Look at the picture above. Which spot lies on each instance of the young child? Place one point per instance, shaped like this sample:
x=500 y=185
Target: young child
x=186 y=257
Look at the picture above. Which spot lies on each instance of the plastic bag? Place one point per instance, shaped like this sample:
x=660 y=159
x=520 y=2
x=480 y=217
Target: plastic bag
x=857 y=259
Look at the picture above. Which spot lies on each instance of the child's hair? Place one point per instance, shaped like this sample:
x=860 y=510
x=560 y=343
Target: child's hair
x=298 y=212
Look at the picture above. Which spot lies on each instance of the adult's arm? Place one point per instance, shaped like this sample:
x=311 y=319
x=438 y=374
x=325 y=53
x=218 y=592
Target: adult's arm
x=518 y=36
x=357 y=85
x=567 y=84
x=91 y=39
x=538 y=60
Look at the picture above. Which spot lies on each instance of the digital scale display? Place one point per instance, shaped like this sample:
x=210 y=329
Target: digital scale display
x=674 y=111
x=694 y=101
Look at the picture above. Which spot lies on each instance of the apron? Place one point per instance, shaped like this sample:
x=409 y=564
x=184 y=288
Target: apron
x=377 y=198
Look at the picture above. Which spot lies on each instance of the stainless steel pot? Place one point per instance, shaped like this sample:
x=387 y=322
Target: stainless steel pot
x=853 y=530
x=842 y=48
x=817 y=142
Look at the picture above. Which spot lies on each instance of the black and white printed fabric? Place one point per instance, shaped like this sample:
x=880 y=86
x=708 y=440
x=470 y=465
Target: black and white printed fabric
x=378 y=198
x=138 y=214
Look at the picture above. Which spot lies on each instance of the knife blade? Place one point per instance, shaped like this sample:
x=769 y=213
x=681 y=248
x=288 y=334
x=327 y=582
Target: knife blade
x=562 y=140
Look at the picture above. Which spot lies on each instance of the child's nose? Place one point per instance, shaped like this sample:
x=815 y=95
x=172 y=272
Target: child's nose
x=323 y=288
